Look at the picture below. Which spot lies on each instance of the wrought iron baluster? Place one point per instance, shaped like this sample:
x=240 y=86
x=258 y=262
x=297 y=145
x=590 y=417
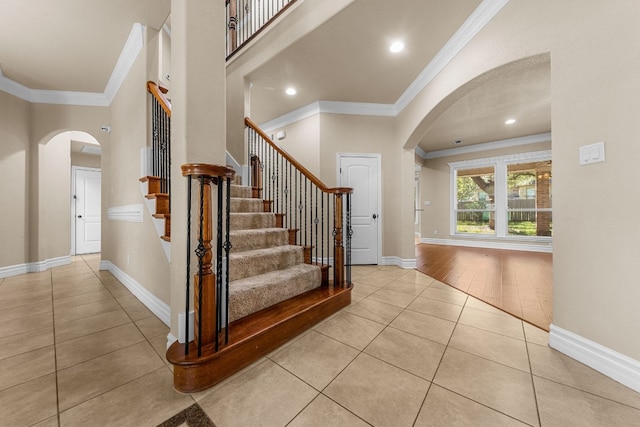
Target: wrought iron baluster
x=188 y=293
x=200 y=252
x=227 y=248
x=219 y=262
x=349 y=235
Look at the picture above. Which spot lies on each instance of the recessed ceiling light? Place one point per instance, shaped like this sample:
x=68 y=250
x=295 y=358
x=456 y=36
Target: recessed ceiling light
x=290 y=91
x=510 y=121
x=396 y=47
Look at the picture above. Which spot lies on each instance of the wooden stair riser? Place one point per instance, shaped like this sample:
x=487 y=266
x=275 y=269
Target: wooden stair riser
x=279 y=220
x=292 y=236
x=154 y=184
x=266 y=205
x=167 y=223
x=307 y=254
x=324 y=272
x=162 y=202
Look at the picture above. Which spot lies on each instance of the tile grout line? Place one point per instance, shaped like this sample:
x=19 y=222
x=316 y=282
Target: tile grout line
x=55 y=349
x=435 y=372
x=533 y=384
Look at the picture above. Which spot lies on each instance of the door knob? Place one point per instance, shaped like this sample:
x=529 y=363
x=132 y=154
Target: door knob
x=375 y=216
x=79 y=216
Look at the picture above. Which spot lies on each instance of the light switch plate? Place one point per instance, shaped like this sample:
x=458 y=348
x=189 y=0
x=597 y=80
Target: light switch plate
x=592 y=153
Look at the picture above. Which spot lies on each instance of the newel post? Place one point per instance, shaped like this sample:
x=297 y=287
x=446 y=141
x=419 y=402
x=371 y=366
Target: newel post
x=338 y=238
x=205 y=280
x=206 y=296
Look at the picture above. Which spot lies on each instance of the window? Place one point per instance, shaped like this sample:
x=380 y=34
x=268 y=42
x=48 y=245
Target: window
x=474 y=200
x=529 y=211
x=508 y=196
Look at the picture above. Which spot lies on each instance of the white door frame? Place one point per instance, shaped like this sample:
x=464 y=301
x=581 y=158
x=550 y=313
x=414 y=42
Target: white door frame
x=380 y=218
x=72 y=202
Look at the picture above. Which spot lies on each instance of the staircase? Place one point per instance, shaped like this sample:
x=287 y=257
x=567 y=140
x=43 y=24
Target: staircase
x=277 y=253
x=264 y=269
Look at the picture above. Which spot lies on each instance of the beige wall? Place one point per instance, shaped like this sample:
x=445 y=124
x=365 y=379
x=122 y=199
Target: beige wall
x=595 y=87
x=302 y=142
x=54 y=202
x=83 y=159
x=40 y=176
x=135 y=248
x=363 y=134
x=435 y=186
x=14 y=188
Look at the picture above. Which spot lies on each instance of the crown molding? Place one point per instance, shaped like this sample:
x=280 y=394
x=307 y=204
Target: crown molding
x=130 y=51
x=357 y=108
x=480 y=17
x=14 y=88
x=292 y=117
x=503 y=143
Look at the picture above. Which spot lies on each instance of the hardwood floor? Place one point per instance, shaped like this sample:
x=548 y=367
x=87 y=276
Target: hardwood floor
x=519 y=283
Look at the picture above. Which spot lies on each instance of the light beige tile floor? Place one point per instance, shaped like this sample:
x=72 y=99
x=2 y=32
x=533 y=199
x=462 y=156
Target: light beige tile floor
x=78 y=349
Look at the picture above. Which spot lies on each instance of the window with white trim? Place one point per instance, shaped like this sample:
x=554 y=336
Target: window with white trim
x=503 y=197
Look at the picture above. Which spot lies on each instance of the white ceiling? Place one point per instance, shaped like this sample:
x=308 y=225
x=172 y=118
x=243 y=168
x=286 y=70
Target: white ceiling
x=73 y=45
x=347 y=59
x=69 y=45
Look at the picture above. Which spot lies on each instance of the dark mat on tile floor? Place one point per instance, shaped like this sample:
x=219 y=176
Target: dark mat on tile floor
x=193 y=416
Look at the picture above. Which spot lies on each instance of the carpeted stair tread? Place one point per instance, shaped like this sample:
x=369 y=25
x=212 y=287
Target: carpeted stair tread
x=240 y=191
x=246 y=204
x=246 y=296
x=253 y=220
x=246 y=240
x=260 y=261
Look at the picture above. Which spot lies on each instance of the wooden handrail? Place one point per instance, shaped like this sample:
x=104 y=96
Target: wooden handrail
x=158 y=93
x=294 y=162
x=207 y=170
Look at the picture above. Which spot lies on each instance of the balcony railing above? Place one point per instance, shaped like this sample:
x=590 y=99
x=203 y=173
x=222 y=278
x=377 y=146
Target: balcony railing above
x=247 y=18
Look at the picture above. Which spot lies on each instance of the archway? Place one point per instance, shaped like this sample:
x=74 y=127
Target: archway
x=69 y=162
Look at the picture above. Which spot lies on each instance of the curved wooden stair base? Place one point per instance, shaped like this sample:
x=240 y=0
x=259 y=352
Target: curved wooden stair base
x=253 y=337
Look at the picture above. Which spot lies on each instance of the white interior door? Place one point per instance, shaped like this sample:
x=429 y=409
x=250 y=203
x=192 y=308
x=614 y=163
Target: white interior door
x=87 y=210
x=362 y=173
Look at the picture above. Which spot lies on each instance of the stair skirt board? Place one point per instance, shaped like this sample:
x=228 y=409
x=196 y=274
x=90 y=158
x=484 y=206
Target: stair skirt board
x=253 y=337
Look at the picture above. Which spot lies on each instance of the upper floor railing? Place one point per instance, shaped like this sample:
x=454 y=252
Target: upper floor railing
x=247 y=18
x=160 y=162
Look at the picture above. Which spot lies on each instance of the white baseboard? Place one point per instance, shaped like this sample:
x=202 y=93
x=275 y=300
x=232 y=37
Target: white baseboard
x=14 y=270
x=153 y=303
x=399 y=262
x=512 y=246
x=616 y=366
x=34 y=267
